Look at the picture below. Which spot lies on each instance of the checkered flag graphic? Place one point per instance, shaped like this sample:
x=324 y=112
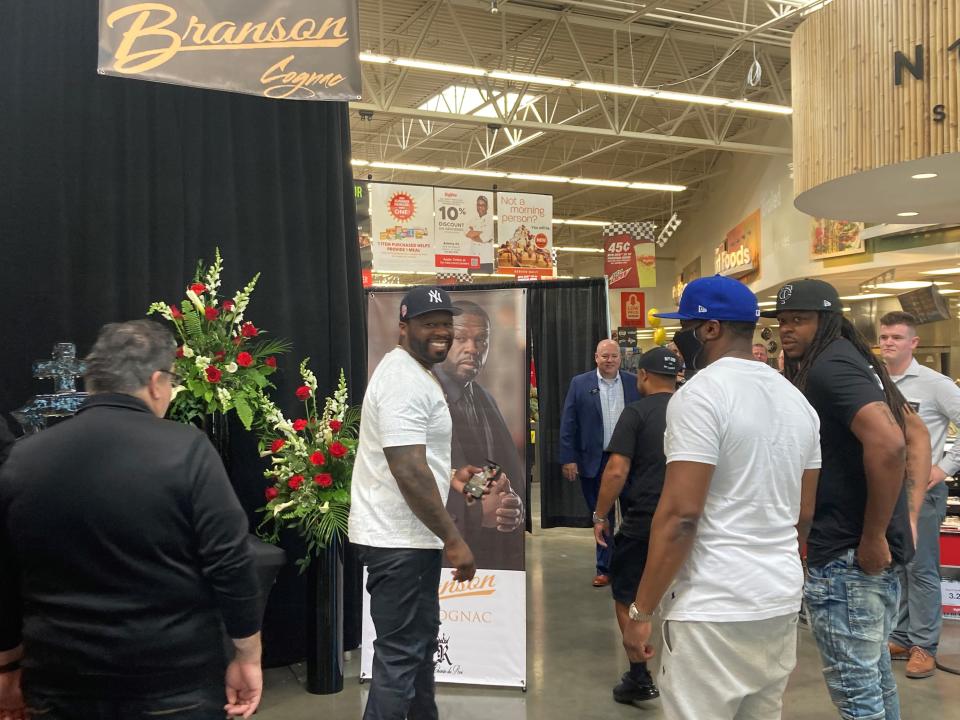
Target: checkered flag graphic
x=454 y=278
x=641 y=231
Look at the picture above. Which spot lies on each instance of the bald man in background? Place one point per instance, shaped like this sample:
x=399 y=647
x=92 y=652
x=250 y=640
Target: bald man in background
x=590 y=413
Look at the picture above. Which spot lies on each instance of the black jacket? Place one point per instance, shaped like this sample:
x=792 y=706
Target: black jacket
x=125 y=546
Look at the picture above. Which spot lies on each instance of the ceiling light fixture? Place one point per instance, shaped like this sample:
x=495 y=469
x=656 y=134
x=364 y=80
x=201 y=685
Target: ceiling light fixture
x=942 y=271
x=405 y=166
x=667 y=95
x=475 y=173
x=439 y=67
x=529 y=177
x=924 y=176
x=950 y=292
x=602 y=183
x=866 y=296
x=908 y=214
x=592 y=251
x=587 y=223
x=532 y=79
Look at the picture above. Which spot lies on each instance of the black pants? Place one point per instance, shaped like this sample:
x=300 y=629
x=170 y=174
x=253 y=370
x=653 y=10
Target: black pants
x=201 y=704
x=405 y=608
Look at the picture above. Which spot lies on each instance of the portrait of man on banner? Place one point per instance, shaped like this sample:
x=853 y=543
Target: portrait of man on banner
x=484 y=381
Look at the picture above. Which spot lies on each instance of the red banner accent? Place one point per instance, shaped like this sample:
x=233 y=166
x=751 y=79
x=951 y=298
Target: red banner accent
x=462 y=262
x=366 y=276
x=633 y=309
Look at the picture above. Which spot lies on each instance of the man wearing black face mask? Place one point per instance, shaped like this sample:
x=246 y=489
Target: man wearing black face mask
x=724 y=538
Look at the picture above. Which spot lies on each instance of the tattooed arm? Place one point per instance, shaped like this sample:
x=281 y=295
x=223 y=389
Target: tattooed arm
x=884 y=463
x=918 y=463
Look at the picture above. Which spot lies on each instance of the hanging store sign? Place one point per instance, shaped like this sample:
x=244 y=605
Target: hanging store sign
x=401 y=221
x=739 y=253
x=464 y=229
x=629 y=255
x=284 y=49
x=525 y=230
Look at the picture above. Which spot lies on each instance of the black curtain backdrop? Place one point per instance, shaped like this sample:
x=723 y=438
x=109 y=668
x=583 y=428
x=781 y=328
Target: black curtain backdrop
x=111 y=189
x=569 y=318
x=565 y=321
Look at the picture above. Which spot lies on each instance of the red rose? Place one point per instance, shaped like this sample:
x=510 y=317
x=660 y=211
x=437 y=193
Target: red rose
x=244 y=359
x=299 y=424
x=338 y=449
x=324 y=480
x=303 y=392
x=295 y=482
x=175 y=311
x=277 y=445
x=213 y=375
x=220 y=354
x=248 y=330
x=212 y=313
x=270 y=362
x=271 y=493
x=199 y=288
x=180 y=351
x=335 y=425
x=228 y=306
x=318 y=458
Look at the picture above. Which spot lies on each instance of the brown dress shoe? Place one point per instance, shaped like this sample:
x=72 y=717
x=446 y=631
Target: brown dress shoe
x=898 y=652
x=921 y=663
x=601 y=581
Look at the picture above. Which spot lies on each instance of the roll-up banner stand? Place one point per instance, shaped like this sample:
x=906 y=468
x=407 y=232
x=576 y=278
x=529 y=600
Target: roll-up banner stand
x=482 y=638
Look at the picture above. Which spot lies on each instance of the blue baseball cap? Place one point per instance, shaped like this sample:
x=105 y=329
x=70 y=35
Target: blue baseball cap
x=716 y=298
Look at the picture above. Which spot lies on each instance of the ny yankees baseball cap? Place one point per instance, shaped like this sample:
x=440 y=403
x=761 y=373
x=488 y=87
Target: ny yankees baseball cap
x=660 y=361
x=716 y=298
x=424 y=299
x=806 y=295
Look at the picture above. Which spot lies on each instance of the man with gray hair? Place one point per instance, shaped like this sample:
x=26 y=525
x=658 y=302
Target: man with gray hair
x=122 y=549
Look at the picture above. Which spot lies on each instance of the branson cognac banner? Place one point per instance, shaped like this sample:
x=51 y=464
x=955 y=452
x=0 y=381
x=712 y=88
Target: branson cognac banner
x=284 y=49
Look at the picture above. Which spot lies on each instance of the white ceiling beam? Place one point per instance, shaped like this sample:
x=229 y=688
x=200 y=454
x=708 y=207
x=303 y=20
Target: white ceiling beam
x=727 y=146
x=639 y=28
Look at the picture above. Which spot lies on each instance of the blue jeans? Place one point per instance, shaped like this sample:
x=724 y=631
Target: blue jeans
x=204 y=703
x=921 y=612
x=851 y=615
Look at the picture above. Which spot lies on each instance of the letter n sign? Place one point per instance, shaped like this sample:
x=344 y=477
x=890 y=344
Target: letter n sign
x=901 y=62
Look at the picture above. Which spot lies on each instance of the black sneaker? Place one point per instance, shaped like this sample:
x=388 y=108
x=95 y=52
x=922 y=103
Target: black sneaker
x=631 y=691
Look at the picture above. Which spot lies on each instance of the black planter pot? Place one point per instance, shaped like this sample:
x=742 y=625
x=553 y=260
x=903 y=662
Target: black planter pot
x=325 y=621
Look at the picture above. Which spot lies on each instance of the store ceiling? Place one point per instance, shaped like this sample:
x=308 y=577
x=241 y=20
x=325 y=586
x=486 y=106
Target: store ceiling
x=569 y=131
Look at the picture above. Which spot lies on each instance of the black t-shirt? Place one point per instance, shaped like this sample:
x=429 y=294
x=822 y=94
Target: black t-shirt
x=840 y=383
x=639 y=436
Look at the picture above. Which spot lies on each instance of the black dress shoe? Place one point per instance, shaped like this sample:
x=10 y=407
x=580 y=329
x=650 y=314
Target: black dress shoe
x=631 y=691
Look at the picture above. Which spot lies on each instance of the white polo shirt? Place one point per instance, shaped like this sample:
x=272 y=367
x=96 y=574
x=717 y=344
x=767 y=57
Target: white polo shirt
x=760 y=434
x=404 y=405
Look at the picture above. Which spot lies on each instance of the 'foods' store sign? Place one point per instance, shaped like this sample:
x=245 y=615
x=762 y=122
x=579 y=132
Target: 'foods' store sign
x=289 y=49
x=739 y=253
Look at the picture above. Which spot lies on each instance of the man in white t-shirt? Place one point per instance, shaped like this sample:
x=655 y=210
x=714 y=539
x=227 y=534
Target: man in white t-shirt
x=743 y=456
x=398 y=519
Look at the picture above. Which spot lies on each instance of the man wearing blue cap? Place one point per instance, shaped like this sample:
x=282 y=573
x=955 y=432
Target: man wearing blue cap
x=743 y=455
x=401 y=479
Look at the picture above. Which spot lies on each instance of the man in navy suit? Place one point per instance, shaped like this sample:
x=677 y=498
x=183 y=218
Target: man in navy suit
x=590 y=413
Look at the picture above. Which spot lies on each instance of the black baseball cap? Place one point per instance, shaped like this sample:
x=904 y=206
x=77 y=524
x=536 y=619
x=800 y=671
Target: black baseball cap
x=660 y=361
x=424 y=299
x=808 y=294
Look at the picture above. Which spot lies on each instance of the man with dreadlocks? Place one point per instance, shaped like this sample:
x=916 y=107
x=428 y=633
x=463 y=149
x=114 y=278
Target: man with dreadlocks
x=862 y=527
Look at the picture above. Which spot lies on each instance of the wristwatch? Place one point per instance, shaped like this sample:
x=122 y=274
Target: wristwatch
x=599 y=519
x=637 y=616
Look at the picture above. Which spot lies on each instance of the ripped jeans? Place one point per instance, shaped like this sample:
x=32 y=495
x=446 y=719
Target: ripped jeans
x=851 y=615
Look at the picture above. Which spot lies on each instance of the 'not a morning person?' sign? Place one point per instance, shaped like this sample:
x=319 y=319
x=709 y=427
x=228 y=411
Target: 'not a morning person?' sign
x=284 y=49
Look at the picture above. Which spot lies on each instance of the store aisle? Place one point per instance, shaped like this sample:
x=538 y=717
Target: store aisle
x=574 y=658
